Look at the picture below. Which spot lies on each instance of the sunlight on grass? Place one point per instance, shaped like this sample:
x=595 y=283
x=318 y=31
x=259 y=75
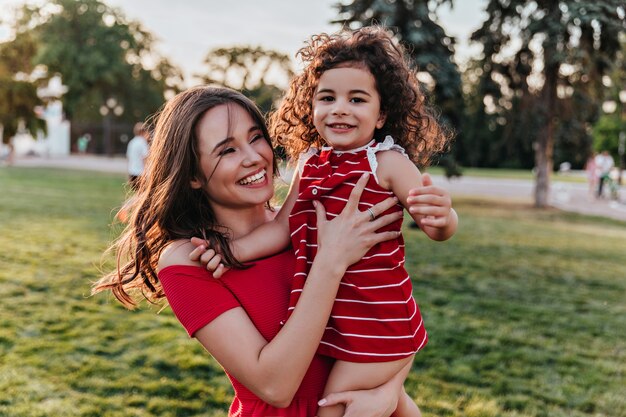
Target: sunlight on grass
x=525 y=311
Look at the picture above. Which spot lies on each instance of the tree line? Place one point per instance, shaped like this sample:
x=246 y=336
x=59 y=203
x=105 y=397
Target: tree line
x=532 y=98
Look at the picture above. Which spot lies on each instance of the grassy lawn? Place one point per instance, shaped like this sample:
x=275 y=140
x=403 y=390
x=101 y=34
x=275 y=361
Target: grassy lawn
x=525 y=310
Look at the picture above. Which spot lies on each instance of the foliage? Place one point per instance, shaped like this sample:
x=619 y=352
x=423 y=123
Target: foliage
x=606 y=135
x=574 y=42
x=524 y=308
x=253 y=70
x=100 y=55
x=18 y=96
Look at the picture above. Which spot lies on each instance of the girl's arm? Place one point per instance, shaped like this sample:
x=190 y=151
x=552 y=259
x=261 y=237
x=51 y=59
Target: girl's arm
x=430 y=206
x=266 y=240
x=274 y=370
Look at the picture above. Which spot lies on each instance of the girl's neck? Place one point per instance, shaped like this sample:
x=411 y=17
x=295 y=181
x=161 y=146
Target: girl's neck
x=352 y=149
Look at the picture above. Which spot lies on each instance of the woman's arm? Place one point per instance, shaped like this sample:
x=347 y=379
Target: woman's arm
x=274 y=370
x=430 y=206
x=377 y=402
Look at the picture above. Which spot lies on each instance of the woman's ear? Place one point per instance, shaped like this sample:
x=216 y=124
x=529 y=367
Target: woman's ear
x=382 y=118
x=195 y=184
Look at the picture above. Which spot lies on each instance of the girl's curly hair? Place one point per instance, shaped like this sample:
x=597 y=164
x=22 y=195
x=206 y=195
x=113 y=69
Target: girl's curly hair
x=409 y=120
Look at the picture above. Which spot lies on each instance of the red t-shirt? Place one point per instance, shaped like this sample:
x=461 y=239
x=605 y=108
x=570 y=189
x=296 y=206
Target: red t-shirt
x=263 y=292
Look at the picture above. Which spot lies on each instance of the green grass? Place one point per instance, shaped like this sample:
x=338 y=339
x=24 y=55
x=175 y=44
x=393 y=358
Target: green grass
x=525 y=311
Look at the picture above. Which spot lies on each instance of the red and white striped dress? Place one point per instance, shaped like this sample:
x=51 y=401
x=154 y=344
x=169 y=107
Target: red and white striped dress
x=375 y=317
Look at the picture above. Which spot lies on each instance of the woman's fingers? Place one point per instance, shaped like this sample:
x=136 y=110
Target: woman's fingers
x=320 y=211
x=383 y=206
x=355 y=194
x=385 y=220
x=335 y=398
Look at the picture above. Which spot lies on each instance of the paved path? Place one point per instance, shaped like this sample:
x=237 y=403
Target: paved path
x=565 y=195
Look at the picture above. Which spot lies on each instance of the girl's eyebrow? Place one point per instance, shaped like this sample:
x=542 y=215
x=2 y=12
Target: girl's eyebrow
x=328 y=90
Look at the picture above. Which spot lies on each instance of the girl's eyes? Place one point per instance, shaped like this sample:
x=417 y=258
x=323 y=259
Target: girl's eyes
x=352 y=100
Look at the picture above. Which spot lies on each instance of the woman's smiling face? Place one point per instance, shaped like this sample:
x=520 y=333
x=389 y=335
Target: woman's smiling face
x=235 y=158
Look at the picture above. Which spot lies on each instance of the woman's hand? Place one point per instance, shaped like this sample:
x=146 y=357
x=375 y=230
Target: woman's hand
x=364 y=403
x=347 y=238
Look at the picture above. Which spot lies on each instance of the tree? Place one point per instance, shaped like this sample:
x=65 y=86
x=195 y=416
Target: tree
x=432 y=50
x=18 y=95
x=568 y=45
x=99 y=54
x=253 y=70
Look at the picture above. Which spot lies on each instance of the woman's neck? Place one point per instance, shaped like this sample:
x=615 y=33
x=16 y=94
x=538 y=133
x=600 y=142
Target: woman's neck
x=241 y=221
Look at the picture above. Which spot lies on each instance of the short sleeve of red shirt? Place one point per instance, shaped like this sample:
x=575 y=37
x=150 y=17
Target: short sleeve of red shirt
x=195 y=296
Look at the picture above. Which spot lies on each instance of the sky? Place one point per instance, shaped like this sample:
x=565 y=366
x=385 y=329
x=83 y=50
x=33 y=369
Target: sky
x=187 y=29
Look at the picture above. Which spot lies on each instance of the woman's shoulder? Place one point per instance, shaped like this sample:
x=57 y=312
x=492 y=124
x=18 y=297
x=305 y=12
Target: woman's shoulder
x=177 y=253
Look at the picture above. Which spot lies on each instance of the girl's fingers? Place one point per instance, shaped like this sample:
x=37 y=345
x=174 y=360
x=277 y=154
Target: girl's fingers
x=426 y=180
x=196 y=241
x=214 y=263
x=207 y=256
x=220 y=271
x=196 y=253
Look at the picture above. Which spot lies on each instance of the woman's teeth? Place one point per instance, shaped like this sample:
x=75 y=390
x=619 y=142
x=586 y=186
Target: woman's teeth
x=253 y=179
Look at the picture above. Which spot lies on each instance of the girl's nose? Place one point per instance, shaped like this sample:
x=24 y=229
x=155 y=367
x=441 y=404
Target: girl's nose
x=339 y=108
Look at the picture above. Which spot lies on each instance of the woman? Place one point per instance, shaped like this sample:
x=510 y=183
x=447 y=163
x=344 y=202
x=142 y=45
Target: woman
x=210 y=173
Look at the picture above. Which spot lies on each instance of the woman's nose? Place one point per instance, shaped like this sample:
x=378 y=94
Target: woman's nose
x=251 y=156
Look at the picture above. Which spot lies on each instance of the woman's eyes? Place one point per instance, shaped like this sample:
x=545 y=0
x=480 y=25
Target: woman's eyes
x=232 y=149
x=226 y=150
x=257 y=137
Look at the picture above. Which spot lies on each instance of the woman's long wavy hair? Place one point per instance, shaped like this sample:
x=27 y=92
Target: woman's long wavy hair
x=166 y=207
x=408 y=119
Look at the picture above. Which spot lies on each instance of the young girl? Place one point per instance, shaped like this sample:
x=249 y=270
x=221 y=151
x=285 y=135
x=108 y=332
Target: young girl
x=358 y=108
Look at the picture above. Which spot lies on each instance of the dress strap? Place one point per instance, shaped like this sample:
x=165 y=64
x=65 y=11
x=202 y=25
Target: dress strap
x=304 y=157
x=386 y=145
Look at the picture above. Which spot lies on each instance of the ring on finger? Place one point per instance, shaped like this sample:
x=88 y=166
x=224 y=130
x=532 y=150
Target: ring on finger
x=371 y=212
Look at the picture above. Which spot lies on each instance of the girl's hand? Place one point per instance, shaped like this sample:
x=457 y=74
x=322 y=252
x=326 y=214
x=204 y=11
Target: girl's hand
x=432 y=204
x=209 y=258
x=345 y=239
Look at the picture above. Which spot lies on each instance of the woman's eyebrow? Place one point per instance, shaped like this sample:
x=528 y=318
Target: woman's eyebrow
x=221 y=143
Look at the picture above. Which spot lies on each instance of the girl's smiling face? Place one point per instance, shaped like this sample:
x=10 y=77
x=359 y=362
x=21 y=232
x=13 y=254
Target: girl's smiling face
x=346 y=107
